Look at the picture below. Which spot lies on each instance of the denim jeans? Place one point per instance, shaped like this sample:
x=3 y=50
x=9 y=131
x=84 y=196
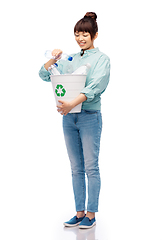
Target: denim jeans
x=82 y=132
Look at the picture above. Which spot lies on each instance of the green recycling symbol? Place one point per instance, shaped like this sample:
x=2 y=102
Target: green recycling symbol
x=58 y=93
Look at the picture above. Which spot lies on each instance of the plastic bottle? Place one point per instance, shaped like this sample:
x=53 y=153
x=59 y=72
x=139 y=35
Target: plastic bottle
x=83 y=69
x=63 y=56
x=54 y=70
x=69 y=68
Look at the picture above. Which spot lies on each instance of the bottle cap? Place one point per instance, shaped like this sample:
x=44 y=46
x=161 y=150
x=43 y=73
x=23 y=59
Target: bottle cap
x=70 y=58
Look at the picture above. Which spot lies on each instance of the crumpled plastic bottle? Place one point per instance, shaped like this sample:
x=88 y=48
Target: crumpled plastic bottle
x=84 y=69
x=62 y=56
x=54 y=70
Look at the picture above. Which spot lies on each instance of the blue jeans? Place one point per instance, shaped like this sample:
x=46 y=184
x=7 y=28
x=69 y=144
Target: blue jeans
x=82 y=132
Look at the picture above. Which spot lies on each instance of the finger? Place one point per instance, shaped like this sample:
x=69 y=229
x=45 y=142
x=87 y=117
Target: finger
x=60 y=101
x=59 y=111
x=57 y=53
x=58 y=106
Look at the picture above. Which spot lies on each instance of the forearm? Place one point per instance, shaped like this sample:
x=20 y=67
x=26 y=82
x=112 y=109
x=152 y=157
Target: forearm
x=81 y=98
x=49 y=63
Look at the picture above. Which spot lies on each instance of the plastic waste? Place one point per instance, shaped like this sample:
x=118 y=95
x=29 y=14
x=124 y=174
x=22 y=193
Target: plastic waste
x=63 y=56
x=54 y=70
x=69 y=68
x=83 y=69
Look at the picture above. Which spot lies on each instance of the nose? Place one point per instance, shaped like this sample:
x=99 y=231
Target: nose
x=80 y=37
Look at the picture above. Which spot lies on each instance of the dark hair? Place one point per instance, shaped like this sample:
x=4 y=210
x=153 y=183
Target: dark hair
x=87 y=24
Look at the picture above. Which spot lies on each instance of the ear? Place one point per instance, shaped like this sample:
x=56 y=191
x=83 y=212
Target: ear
x=96 y=35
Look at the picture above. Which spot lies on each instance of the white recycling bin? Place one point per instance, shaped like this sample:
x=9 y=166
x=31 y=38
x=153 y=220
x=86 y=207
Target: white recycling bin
x=66 y=87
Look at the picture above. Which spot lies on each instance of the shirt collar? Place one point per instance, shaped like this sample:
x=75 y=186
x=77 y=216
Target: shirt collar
x=89 y=52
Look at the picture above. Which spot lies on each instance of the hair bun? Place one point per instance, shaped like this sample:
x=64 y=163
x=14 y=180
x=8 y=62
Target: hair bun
x=91 y=15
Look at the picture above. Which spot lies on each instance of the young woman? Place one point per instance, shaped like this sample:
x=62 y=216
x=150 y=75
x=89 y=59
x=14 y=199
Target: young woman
x=82 y=131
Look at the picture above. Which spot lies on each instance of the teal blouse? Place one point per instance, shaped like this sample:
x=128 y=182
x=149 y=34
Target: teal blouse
x=97 y=77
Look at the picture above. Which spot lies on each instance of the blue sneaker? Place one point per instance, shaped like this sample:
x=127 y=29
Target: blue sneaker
x=73 y=222
x=87 y=223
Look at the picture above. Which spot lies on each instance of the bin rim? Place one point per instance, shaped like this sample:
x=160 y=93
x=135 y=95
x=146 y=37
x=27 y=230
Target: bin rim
x=61 y=75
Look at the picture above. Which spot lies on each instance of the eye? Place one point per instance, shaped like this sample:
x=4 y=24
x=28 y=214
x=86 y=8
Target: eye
x=85 y=35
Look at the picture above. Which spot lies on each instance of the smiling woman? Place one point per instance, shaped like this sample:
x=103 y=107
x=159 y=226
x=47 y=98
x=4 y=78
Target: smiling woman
x=82 y=131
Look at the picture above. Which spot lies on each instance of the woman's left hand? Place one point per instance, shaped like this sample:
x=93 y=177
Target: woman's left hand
x=64 y=108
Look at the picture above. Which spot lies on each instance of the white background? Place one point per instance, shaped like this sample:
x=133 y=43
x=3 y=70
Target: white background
x=35 y=177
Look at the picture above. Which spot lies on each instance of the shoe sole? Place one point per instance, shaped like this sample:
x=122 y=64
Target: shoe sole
x=71 y=225
x=86 y=227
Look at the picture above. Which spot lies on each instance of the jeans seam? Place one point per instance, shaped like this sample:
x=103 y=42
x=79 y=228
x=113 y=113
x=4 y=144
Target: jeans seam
x=83 y=186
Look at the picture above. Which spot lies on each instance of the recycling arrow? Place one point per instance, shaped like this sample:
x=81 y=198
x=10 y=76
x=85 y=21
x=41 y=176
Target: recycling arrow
x=58 y=92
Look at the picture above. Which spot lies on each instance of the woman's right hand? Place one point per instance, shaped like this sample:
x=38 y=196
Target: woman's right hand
x=57 y=53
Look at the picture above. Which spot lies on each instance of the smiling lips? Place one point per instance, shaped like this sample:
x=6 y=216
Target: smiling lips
x=82 y=43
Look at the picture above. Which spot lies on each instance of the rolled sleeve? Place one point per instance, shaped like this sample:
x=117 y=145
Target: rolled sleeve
x=99 y=79
x=44 y=74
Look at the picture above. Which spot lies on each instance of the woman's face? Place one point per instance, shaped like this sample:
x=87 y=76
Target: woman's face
x=84 y=40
